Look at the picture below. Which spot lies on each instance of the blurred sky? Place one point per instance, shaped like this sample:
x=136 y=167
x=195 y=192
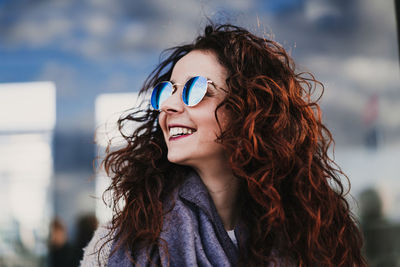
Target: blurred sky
x=98 y=46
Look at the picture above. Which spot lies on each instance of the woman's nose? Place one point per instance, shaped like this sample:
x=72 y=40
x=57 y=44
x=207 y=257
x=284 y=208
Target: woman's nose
x=173 y=104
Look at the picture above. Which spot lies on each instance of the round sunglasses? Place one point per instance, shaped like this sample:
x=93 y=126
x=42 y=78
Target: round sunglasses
x=193 y=92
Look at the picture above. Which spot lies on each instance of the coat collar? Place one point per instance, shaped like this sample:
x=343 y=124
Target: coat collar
x=194 y=191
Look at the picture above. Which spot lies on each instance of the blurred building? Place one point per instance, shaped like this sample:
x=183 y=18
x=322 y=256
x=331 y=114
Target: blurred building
x=27 y=120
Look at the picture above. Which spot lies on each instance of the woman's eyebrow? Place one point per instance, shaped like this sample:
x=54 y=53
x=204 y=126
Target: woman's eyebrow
x=187 y=78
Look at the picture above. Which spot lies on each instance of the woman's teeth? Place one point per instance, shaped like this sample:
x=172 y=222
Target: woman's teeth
x=177 y=131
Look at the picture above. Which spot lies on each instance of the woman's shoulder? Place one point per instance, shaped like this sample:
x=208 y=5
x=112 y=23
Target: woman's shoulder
x=98 y=250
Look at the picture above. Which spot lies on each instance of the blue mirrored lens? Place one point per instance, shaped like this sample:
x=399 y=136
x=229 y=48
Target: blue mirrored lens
x=160 y=93
x=194 y=90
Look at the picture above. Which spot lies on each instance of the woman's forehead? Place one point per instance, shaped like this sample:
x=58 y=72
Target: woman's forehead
x=199 y=63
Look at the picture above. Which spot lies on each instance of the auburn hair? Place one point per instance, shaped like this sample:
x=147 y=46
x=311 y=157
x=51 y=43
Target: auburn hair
x=295 y=206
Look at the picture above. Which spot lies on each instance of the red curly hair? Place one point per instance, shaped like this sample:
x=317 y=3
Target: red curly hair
x=295 y=206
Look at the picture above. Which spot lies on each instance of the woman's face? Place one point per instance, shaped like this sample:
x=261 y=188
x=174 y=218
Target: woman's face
x=199 y=147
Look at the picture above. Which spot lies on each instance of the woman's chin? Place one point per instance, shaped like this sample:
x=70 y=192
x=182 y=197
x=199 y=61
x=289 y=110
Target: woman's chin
x=176 y=158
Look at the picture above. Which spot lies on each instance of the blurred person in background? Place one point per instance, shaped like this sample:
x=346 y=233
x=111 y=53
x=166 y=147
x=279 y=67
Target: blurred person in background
x=60 y=251
x=229 y=166
x=381 y=237
x=85 y=226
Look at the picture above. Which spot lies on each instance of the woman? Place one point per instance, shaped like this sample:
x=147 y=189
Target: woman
x=228 y=167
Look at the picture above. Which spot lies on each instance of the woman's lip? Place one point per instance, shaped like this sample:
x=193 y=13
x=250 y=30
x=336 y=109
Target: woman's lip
x=179 y=137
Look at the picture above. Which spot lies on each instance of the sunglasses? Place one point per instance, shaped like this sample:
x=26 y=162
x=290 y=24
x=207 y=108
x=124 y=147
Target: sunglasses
x=193 y=92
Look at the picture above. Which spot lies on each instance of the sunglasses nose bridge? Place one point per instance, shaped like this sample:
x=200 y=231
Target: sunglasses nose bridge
x=174 y=102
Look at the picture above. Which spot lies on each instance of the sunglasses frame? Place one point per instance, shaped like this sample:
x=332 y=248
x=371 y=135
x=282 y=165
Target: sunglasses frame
x=174 y=85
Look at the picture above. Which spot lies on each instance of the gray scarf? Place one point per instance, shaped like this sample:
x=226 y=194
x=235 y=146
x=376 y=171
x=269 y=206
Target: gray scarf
x=193 y=231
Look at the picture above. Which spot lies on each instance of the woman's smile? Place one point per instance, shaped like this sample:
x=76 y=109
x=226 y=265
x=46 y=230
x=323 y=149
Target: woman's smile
x=177 y=132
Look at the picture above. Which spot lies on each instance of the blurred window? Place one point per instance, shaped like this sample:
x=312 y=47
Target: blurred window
x=108 y=109
x=27 y=119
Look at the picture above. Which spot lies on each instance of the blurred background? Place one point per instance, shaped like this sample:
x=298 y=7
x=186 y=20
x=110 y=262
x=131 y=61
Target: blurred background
x=69 y=68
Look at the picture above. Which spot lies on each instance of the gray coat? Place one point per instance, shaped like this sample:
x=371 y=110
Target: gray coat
x=193 y=231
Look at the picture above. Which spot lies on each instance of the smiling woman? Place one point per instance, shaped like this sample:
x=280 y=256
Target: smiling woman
x=229 y=166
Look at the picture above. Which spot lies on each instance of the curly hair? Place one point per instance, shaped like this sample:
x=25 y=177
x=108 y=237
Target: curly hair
x=295 y=206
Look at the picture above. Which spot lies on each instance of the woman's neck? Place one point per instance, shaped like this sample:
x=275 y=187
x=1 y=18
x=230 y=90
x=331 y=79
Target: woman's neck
x=223 y=187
